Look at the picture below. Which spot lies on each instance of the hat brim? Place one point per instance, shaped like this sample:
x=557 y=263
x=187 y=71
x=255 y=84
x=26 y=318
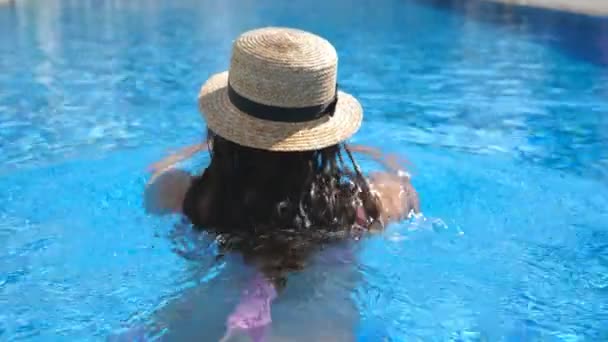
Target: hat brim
x=224 y=119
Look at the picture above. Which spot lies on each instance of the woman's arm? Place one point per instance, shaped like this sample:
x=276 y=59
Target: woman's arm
x=174 y=158
x=391 y=162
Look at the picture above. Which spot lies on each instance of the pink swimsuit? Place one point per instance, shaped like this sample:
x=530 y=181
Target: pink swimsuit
x=252 y=314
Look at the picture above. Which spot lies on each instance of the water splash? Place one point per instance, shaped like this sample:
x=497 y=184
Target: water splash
x=418 y=225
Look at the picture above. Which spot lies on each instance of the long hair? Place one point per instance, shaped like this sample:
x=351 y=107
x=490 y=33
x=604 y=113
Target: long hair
x=279 y=206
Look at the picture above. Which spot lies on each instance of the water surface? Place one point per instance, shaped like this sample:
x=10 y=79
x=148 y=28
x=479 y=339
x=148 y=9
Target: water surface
x=501 y=113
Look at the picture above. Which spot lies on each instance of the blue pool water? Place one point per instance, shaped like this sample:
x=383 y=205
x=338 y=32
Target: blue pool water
x=502 y=111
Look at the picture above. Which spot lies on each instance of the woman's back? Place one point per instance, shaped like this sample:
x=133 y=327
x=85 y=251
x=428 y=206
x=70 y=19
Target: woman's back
x=282 y=181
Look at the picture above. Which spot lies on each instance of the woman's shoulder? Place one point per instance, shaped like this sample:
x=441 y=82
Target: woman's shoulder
x=396 y=195
x=165 y=191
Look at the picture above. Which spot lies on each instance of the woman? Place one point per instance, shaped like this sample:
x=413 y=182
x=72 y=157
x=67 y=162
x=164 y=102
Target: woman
x=281 y=181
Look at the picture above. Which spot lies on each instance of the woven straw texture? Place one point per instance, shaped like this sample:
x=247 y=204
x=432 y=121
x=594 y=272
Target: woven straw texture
x=286 y=68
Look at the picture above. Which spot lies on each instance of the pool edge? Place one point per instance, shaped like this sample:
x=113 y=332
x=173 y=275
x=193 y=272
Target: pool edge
x=585 y=7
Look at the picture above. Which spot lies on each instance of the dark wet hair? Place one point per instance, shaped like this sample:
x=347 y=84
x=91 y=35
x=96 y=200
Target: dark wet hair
x=276 y=207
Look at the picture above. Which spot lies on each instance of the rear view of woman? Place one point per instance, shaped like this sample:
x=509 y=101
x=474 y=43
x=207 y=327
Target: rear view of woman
x=281 y=182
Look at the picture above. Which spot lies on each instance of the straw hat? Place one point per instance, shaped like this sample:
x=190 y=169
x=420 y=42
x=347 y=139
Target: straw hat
x=280 y=93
